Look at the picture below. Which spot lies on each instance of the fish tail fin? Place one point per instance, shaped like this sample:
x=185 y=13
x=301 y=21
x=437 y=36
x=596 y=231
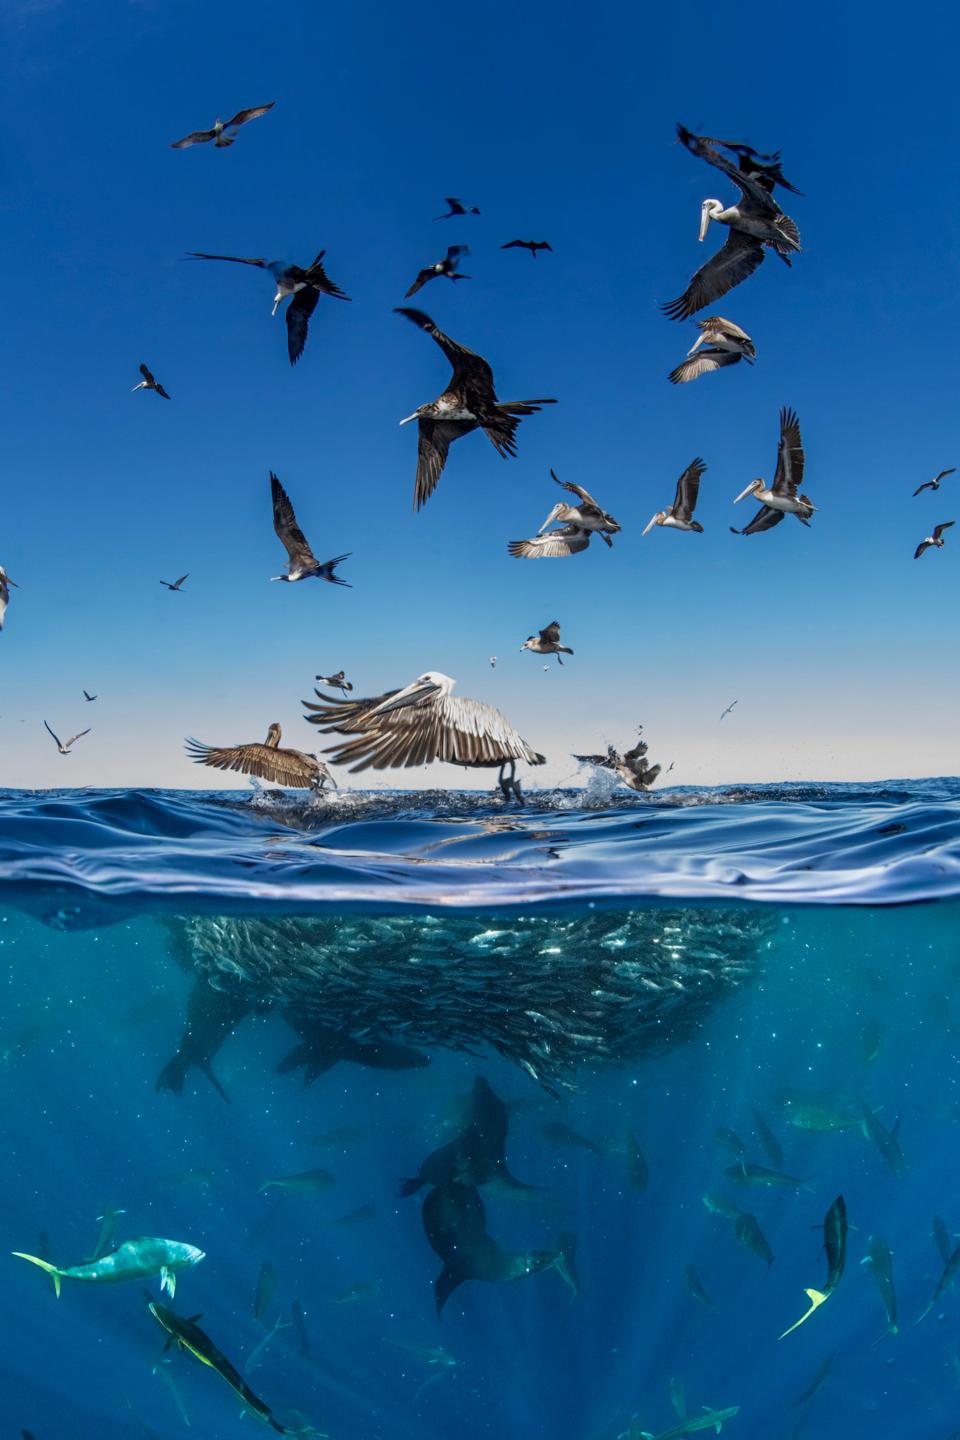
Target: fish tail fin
x=51 y=1270
x=816 y=1298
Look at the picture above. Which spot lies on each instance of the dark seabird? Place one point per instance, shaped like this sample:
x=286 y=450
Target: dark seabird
x=446 y=267
x=177 y=584
x=149 y=382
x=5 y=583
x=547 y=642
x=419 y=724
x=532 y=245
x=588 y=515
x=680 y=514
x=303 y=286
x=631 y=767
x=729 y=708
x=936 y=539
x=65 y=749
x=457 y=207
x=934 y=484
x=469 y=401
x=726 y=344
x=781 y=498
x=268 y=761
x=336 y=682
x=764 y=168
x=221 y=133
x=455 y=1224
x=88 y=696
x=755 y=221
x=552 y=544
x=303 y=564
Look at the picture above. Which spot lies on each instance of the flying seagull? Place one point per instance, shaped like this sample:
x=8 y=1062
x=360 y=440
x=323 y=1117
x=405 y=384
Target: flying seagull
x=447 y=267
x=936 y=539
x=781 y=498
x=547 y=642
x=268 y=761
x=87 y=696
x=65 y=749
x=457 y=207
x=469 y=401
x=419 y=724
x=532 y=245
x=149 y=383
x=336 y=682
x=305 y=286
x=755 y=221
x=631 y=767
x=729 y=708
x=5 y=583
x=551 y=544
x=726 y=344
x=934 y=484
x=303 y=564
x=493 y=662
x=220 y=134
x=680 y=514
x=177 y=584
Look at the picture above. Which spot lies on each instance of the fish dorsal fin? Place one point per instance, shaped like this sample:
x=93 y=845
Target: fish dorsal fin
x=192 y=1319
x=816 y=1298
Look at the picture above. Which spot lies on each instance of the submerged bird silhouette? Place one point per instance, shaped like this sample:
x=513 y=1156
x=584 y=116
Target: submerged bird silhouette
x=149 y=382
x=65 y=748
x=447 y=267
x=303 y=564
x=302 y=286
x=267 y=761
x=224 y=132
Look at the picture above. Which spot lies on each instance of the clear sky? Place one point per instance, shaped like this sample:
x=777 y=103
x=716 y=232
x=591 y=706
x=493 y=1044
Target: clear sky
x=559 y=124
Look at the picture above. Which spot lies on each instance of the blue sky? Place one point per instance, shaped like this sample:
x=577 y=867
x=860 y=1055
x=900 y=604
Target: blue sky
x=834 y=642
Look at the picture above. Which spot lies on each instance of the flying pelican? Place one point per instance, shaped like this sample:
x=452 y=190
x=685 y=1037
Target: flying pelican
x=631 y=767
x=554 y=544
x=588 y=515
x=303 y=563
x=755 y=221
x=469 y=401
x=177 y=584
x=218 y=134
x=934 y=484
x=680 y=514
x=88 y=697
x=149 y=383
x=729 y=708
x=726 y=344
x=65 y=749
x=305 y=286
x=5 y=583
x=532 y=245
x=936 y=539
x=446 y=267
x=781 y=498
x=421 y=723
x=291 y=768
x=336 y=682
x=547 y=642
x=457 y=207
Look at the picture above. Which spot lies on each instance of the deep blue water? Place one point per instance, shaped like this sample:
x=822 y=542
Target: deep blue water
x=608 y=964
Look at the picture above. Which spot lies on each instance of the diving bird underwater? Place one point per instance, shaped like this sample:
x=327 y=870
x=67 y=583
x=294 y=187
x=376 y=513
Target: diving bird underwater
x=65 y=748
x=321 y=1046
x=5 y=583
x=224 y=132
x=933 y=541
x=211 y=1018
x=133 y=1260
x=547 y=642
x=186 y=1335
x=783 y=497
x=477 y=1155
x=149 y=382
x=447 y=267
x=302 y=563
x=469 y=401
x=726 y=345
x=267 y=760
x=680 y=514
x=303 y=286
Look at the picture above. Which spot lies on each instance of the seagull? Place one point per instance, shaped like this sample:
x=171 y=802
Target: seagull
x=218 y=134
x=421 y=723
x=532 y=245
x=443 y=267
x=457 y=207
x=588 y=515
x=303 y=563
x=469 y=401
x=547 y=642
x=5 y=583
x=935 y=539
x=291 y=768
x=782 y=498
x=177 y=584
x=726 y=344
x=493 y=662
x=336 y=682
x=934 y=484
x=631 y=767
x=729 y=708
x=304 y=285
x=554 y=544
x=149 y=383
x=65 y=749
x=755 y=221
x=88 y=696
x=680 y=514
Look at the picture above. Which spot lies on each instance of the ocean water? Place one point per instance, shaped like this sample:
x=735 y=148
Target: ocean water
x=201 y=993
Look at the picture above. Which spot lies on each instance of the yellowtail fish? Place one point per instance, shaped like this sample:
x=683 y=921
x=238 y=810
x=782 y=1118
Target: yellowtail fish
x=187 y=1335
x=359 y=1216
x=869 y=1042
x=818 y=1111
x=363 y=1291
x=340 y=1137
x=721 y=1205
x=133 y=1260
x=819 y=1376
x=307 y=1180
x=299 y=1317
x=835 y=1244
x=691 y=1424
x=885 y=1141
x=751 y=1237
x=758 y=1177
x=880 y=1263
x=941 y=1237
x=697 y=1289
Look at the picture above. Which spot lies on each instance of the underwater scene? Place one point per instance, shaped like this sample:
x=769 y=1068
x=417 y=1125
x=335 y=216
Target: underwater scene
x=411 y=1116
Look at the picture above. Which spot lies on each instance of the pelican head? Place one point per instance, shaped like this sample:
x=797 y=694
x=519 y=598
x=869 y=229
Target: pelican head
x=559 y=512
x=425 y=687
x=709 y=210
x=657 y=519
x=273 y=736
x=751 y=489
x=415 y=416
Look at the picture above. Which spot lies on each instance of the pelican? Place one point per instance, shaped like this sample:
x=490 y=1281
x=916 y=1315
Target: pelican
x=934 y=484
x=469 y=401
x=588 y=515
x=532 y=245
x=781 y=498
x=631 y=767
x=5 y=583
x=421 y=723
x=336 y=682
x=547 y=642
x=680 y=514
x=65 y=749
x=936 y=539
x=457 y=207
x=726 y=344
x=291 y=768
x=554 y=544
x=447 y=266
x=303 y=564
x=220 y=135
x=303 y=287
x=729 y=708
x=177 y=584
x=88 y=697
x=755 y=221
x=149 y=382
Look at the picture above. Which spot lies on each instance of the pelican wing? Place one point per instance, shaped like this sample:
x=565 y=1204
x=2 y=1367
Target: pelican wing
x=242 y=116
x=577 y=490
x=789 y=476
x=702 y=362
x=284 y=767
x=765 y=519
x=688 y=488
x=716 y=325
x=734 y=262
x=435 y=439
x=747 y=182
x=468 y=366
x=196 y=137
x=567 y=540
x=606 y=762
x=147 y=375
x=285 y=524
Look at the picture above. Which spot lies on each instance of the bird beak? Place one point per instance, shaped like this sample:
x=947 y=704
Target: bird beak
x=13 y=583
x=550 y=518
x=744 y=493
x=409 y=695
x=408 y=418
x=278 y=297
x=705 y=218
x=653 y=522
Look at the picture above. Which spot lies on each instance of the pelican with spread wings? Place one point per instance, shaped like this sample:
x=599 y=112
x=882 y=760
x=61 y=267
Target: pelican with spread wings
x=725 y=344
x=782 y=497
x=268 y=761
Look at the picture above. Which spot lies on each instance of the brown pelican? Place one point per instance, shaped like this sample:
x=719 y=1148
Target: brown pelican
x=88 y=697
x=781 y=498
x=5 y=583
x=149 y=383
x=755 y=221
x=588 y=515
x=547 y=642
x=552 y=544
x=469 y=401
x=219 y=134
x=65 y=749
x=680 y=514
x=936 y=539
x=177 y=584
x=291 y=768
x=457 y=207
x=934 y=484
x=303 y=564
x=726 y=344
x=729 y=708
x=305 y=286
x=421 y=723
x=446 y=267
x=631 y=767
x=532 y=245
x=336 y=682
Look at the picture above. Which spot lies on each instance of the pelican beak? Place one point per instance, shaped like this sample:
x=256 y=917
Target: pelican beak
x=409 y=695
x=705 y=218
x=550 y=518
x=744 y=493
x=406 y=420
x=653 y=522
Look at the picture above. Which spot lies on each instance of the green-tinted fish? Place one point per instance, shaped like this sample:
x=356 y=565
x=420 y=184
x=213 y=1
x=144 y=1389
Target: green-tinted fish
x=678 y=1396
x=721 y=1205
x=340 y=1137
x=562 y=1134
x=266 y=1285
x=885 y=1141
x=729 y=1140
x=771 y=1145
x=880 y=1263
x=946 y=1280
x=187 y=1335
x=691 y=1425
x=697 y=1289
x=818 y=1111
x=430 y=1354
x=133 y=1260
x=941 y=1236
x=835 y=1244
x=752 y=1238
x=638 y=1172
x=307 y=1180
x=758 y=1177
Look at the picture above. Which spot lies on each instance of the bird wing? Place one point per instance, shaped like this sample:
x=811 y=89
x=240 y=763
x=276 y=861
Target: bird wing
x=428 y=273
x=467 y=364
x=285 y=524
x=924 y=545
x=455 y=251
x=284 y=767
x=434 y=440
x=242 y=116
x=178 y=583
x=688 y=487
x=160 y=391
x=734 y=262
x=577 y=490
x=196 y=137
x=789 y=476
x=316 y=275
x=74 y=738
x=748 y=184
x=512 y=244
x=568 y=540
x=147 y=375
x=765 y=519
x=550 y=634
x=939 y=529
x=927 y=485
x=753 y=162
x=703 y=362
x=724 y=327
x=234 y=259
x=50 y=732
x=299 y=310
x=604 y=761
x=944 y=473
